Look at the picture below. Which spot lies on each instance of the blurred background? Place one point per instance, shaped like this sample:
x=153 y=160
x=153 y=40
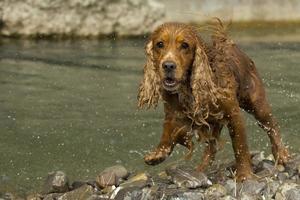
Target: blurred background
x=70 y=69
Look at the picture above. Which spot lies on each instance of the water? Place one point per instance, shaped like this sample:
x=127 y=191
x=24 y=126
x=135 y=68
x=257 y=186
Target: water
x=71 y=106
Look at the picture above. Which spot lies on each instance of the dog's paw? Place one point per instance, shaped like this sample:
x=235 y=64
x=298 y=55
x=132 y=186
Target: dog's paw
x=282 y=155
x=157 y=156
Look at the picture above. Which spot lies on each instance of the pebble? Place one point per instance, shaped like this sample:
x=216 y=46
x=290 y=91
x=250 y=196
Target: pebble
x=187 y=178
x=56 y=182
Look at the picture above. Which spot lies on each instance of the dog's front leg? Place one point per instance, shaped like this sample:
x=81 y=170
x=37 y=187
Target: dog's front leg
x=166 y=144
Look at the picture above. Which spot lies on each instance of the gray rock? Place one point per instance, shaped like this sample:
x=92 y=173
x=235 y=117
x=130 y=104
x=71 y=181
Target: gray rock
x=56 y=182
x=34 y=197
x=77 y=184
x=251 y=187
x=293 y=194
x=283 y=190
x=228 y=197
x=79 y=18
x=187 y=178
x=82 y=193
x=231 y=187
x=119 y=170
x=282 y=176
x=145 y=194
x=105 y=179
x=190 y=195
x=215 y=191
x=246 y=196
x=52 y=196
x=132 y=187
x=257 y=157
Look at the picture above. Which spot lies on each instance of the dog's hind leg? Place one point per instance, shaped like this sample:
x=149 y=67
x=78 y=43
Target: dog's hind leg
x=263 y=114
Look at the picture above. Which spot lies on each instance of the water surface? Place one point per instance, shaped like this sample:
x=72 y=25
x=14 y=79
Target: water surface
x=71 y=106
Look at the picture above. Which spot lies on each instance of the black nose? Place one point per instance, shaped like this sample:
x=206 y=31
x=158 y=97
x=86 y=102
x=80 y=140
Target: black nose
x=169 y=65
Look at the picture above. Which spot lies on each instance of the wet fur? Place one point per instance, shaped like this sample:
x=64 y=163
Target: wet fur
x=220 y=81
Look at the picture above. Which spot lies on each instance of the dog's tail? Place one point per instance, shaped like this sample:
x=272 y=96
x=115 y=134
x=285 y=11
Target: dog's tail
x=220 y=31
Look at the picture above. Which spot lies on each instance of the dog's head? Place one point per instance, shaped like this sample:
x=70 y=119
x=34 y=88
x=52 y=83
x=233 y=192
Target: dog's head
x=175 y=56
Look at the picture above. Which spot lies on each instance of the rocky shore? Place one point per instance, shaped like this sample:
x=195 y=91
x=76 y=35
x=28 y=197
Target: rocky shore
x=77 y=18
x=177 y=183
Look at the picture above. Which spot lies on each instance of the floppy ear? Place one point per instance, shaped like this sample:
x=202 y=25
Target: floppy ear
x=203 y=88
x=149 y=91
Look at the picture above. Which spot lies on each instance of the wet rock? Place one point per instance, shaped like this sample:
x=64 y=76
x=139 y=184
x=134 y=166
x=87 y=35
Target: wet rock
x=107 y=179
x=9 y=196
x=231 y=187
x=56 y=182
x=34 y=197
x=145 y=194
x=282 y=176
x=215 y=191
x=245 y=196
x=228 y=197
x=190 y=195
x=283 y=190
x=257 y=157
x=135 y=183
x=139 y=180
x=52 y=196
x=187 y=178
x=82 y=193
x=77 y=184
x=120 y=171
x=251 y=187
x=111 y=176
x=80 y=18
x=293 y=194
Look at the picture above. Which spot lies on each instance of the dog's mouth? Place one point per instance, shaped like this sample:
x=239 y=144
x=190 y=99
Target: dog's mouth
x=170 y=84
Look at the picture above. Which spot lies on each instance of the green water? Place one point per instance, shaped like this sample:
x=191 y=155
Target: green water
x=71 y=106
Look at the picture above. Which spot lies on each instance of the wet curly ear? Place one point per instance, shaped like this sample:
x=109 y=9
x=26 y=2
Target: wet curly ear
x=149 y=91
x=203 y=88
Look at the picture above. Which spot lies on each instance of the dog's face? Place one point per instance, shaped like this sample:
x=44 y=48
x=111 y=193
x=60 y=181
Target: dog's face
x=173 y=47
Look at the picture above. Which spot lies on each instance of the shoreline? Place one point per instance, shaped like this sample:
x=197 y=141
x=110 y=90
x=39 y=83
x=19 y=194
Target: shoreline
x=177 y=182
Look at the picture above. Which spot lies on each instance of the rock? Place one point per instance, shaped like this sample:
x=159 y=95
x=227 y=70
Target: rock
x=228 y=197
x=34 y=197
x=282 y=176
x=52 y=196
x=79 y=18
x=245 y=196
x=293 y=194
x=111 y=176
x=56 y=182
x=107 y=179
x=82 y=193
x=139 y=180
x=283 y=190
x=145 y=193
x=231 y=187
x=188 y=195
x=77 y=184
x=187 y=178
x=280 y=168
x=257 y=157
x=135 y=183
x=119 y=170
x=215 y=191
x=251 y=187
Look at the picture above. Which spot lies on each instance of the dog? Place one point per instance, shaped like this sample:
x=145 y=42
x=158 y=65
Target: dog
x=203 y=87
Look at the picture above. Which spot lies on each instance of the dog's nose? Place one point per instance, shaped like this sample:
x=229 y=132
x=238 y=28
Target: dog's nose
x=169 y=65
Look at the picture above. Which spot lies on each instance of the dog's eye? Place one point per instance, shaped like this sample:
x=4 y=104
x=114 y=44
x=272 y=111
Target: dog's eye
x=184 y=45
x=160 y=45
